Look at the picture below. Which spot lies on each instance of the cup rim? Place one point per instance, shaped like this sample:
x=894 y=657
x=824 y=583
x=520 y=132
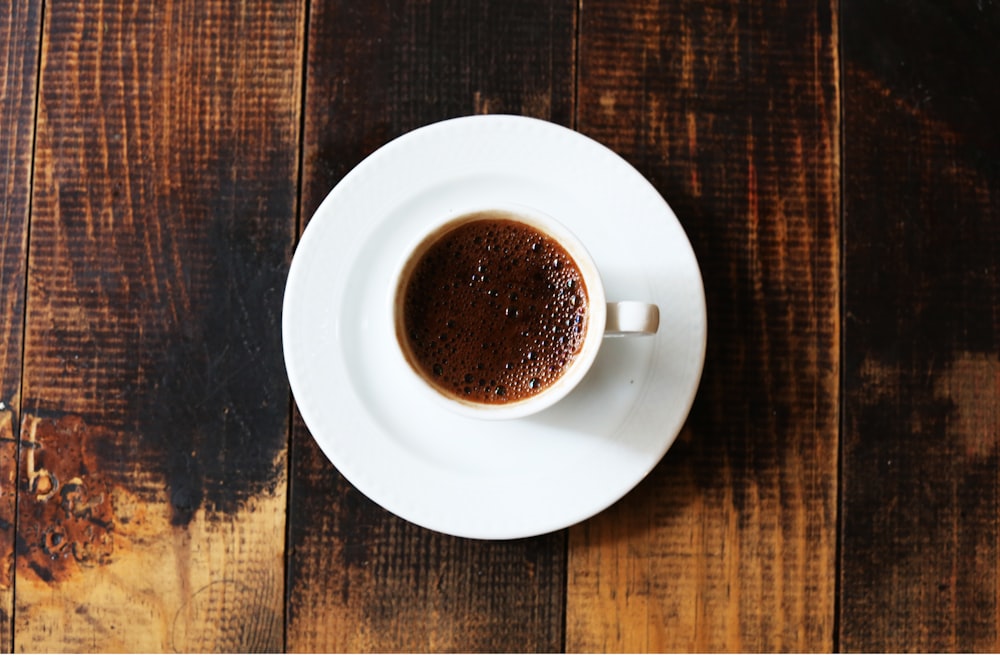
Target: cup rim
x=596 y=315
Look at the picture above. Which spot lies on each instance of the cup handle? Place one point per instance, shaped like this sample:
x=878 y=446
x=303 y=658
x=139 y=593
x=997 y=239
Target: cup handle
x=631 y=318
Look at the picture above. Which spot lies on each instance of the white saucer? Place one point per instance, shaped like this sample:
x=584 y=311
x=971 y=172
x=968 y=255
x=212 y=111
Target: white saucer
x=458 y=475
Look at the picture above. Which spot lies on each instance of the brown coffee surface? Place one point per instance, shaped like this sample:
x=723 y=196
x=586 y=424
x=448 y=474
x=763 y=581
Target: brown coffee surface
x=493 y=312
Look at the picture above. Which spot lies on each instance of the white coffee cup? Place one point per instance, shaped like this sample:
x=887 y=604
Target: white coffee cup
x=603 y=318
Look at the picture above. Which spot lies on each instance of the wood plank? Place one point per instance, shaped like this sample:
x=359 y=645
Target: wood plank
x=732 y=112
x=362 y=580
x=921 y=462
x=20 y=36
x=154 y=436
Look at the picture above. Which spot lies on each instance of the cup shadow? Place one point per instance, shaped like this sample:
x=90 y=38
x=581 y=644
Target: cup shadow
x=606 y=400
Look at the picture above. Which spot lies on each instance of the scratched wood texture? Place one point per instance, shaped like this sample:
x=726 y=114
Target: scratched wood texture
x=152 y=472
x=20 y=31
x=360 y=579
x=921 y=453
x=731 y=109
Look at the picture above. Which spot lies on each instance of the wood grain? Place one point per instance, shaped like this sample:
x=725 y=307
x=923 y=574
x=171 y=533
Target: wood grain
x=20 y=36
x=731 y=110
x=921 y=463
x=147 y=219
x=362 y=580
x=152 y=469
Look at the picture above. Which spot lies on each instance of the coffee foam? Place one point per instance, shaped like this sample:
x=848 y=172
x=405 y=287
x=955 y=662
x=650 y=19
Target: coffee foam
x=493 y=311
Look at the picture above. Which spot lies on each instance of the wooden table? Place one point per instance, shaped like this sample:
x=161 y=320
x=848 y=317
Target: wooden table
x=836 y=165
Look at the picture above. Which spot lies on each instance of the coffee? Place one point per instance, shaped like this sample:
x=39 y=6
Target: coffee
x=492 y=311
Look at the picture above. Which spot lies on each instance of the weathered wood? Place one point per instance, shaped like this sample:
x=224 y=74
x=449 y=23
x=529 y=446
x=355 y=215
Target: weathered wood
x=921 y=463
x=731 y=109
x=152 y=469
x=361 y=579
x=20 y=36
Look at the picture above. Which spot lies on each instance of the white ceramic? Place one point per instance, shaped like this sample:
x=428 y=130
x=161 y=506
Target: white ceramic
x=629 y=318
x=364 y=406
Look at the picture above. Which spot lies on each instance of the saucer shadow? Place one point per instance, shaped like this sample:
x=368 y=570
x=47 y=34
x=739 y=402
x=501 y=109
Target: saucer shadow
x=605 y=402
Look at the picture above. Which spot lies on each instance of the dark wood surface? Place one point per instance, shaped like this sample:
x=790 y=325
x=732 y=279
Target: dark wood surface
x=835 y=164
x=921 y=271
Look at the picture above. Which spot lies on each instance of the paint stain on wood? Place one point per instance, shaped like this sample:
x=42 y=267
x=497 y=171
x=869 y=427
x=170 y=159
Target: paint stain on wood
x=85 y=491
x=215 y=405
x=8 y=473
x=70 y=513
